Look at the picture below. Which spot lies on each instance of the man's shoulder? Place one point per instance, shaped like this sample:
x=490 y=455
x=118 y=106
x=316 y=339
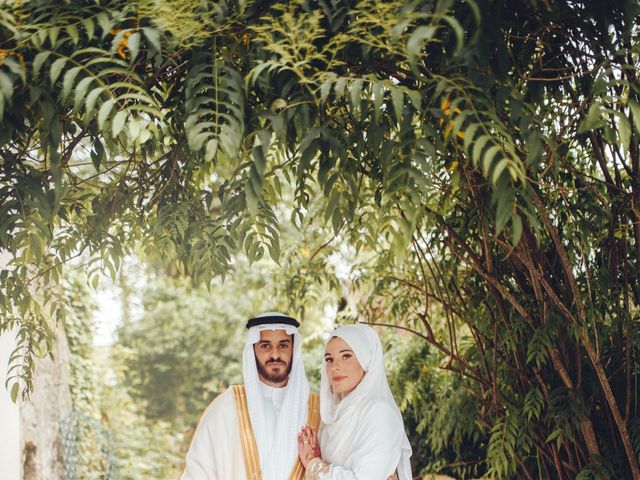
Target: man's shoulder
x=223 y=404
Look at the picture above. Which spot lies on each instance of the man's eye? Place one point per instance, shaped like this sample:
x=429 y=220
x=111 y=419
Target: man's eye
x=284 y=345
x=265 y=346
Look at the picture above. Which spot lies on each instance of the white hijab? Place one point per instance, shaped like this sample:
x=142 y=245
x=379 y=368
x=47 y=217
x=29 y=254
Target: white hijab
x=341 y=417
x=276 y=460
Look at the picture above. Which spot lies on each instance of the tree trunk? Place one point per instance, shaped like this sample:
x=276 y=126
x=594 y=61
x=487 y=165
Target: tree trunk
x=40 y=415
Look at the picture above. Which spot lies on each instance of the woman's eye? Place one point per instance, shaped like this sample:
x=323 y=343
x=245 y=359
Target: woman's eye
x=346 y=356
x=328 y=360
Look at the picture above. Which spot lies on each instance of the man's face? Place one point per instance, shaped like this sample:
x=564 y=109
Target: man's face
x=274 y=352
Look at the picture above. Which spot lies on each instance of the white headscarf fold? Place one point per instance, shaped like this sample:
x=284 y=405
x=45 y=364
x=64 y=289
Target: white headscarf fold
x=276 y=460
x=340 y=416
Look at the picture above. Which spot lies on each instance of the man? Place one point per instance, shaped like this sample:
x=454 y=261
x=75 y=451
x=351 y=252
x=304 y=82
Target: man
x=250 y=431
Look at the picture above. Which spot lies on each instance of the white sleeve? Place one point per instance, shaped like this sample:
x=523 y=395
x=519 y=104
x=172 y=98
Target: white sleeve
x=200 y=460
x=379 y=454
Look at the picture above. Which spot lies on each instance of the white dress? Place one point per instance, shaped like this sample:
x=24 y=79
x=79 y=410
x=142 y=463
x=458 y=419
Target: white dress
x=375 y=451
x=362 y=434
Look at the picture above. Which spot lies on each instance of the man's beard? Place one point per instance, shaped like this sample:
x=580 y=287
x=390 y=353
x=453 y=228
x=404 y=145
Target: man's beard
x=273 y=377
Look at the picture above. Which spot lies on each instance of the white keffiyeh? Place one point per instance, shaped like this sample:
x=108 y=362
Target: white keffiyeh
x=278 y=450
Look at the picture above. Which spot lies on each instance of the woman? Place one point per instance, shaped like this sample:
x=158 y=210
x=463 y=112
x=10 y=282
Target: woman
x=362 y=434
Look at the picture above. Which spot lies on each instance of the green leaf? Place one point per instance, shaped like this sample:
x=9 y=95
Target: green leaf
x=16 y=67
x=497 y=171
x=458 y=31
x=104 y=22
x=89 y=27
x=72 y=31
x=154 y=38
x=56 y=69
x=91 y=100
x=416 y=99
x=417 y=40
x=325 y=89
x=67 y=82
x=593 y=120
x=118 y=122
x=397 y=98
x=504 y=209
x=14 y=392
x=39 y=60
x=516 y=229
x=104 y=112
x=134 y=45
x=6 y=86
x=53 y=35
x=635 y=111
x=624 y=131
x=354 y=92
x=478 y=145
x=339 y=88
x=469 y=133
x=81 y=91
x=36 y=246
x=211 y=150
x=535 y=147
x=487 y=160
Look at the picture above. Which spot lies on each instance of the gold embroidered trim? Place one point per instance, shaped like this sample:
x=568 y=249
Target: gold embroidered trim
x=249 y=448
x=313 y=419
x=316 y=468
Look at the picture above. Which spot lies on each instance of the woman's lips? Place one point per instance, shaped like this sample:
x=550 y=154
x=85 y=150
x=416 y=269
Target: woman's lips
x=338 y=379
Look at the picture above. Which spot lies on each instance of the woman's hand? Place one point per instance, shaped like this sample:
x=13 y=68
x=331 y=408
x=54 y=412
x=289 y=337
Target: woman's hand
x=308 y=447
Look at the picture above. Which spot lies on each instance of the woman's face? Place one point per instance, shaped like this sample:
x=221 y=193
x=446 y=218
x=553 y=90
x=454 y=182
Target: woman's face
x=343 y=369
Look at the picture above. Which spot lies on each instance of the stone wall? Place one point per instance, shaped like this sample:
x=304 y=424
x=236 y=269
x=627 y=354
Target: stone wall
x=51 y=399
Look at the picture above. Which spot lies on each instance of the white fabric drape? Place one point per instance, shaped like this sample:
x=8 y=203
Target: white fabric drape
x=215 y=452
x=278 y=449
x=362 y=435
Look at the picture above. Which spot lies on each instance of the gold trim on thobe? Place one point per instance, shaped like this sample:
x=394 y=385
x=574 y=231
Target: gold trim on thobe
x=249 y=447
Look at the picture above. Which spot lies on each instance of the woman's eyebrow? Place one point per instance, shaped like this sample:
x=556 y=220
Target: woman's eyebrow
x=348 y=350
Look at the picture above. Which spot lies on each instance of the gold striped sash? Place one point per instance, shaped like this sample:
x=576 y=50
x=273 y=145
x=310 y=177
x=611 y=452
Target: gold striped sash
x=249 y=447
x=313 y=419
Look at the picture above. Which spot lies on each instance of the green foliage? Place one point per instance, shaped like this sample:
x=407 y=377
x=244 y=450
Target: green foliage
x=87 y=446
x=481 y=161
x=438 y=412
x=142 y=448
x=185 y=350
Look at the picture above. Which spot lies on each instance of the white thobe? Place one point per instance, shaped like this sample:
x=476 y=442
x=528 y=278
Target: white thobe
x=216 y=449
x=272 y=405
